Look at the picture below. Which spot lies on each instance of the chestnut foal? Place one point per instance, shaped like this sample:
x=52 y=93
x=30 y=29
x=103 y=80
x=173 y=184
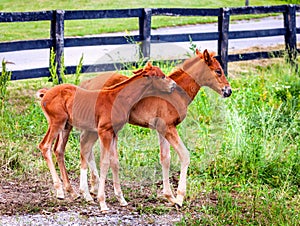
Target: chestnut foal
x=162 y=114
x=101 y=112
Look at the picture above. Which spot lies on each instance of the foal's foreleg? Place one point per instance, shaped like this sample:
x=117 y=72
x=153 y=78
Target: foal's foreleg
x=106 y=144
x=174 y=139
x=165 y=158
x=115 y=166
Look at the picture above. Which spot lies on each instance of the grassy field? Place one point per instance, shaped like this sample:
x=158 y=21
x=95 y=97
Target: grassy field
x=38 y=30
x=245 y=150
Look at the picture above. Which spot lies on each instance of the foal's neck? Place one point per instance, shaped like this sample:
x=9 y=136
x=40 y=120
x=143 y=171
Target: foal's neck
x=131 y=89
x=186 y=82
x=190 y=75
x=125 y=97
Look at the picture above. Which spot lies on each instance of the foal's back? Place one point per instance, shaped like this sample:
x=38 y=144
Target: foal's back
x=169 y=107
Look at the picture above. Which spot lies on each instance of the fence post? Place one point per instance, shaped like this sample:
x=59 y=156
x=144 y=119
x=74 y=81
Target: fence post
x=145 y=33
x=290 y=35
x=57 y=37
x=223 y=28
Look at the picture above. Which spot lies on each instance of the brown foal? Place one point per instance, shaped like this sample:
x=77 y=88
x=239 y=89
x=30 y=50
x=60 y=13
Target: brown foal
x=162 y=114
x=101 y=112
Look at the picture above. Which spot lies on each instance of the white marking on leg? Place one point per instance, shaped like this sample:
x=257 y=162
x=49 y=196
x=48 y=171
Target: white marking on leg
x=84 y=189
x=94 y=174
x=165 y=163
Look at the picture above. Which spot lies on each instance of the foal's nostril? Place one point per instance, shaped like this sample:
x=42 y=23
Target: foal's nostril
x=173 y=86
x=226 y=91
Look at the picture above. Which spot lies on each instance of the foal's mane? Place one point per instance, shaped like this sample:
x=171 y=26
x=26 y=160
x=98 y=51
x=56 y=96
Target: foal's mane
x=190 y=62
x=140 y=73
x=136 y=76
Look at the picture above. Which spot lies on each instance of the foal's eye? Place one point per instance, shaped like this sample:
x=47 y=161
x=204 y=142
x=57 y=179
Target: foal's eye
x=218 y=72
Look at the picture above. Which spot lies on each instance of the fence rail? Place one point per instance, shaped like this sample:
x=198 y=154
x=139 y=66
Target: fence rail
x=58 y=42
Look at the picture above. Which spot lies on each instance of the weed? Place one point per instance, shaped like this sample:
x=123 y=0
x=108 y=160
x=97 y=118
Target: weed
x=192 y=47
x=78 y=71
x=4 y=81
x=53 y=69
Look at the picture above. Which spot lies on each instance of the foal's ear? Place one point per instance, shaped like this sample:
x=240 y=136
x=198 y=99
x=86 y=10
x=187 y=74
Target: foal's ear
x=207 y=57
x=148 y=65
x=138 y=71
x=199 y=54
x=148 y=70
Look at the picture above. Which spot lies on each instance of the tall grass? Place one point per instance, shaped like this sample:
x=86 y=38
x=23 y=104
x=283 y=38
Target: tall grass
x=244 y=149
x=4 y=80
x=255 y=164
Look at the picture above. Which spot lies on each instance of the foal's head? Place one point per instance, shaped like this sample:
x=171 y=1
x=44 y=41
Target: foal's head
x=214 y=77
x=158 y=79
x=207 y=72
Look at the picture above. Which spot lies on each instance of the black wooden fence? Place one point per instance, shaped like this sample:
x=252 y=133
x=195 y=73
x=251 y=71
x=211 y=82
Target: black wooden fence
x=58 y=42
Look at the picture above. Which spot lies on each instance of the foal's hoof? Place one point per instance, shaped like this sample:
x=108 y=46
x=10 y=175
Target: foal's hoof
x=89 y=199
x=177 y=206
x=105 y=210
x=171 y=199
x=60 y=195
x=123 y=203
x=179 y=201
x=94 y=192
x=75 y=196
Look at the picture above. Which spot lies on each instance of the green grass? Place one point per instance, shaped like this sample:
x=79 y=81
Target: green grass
x=39 y=30
x=244 y=150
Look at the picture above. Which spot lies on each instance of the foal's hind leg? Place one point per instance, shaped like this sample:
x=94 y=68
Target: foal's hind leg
x=115 y=166
x=87 y=140
x=106 y=143
x=45 y=147
x=172 y=136
x=59 y=150
x=94 y=175
x=165 y=163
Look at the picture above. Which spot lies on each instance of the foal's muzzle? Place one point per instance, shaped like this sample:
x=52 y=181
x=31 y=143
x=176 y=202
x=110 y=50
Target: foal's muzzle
x=226 y=91
x=172 y=87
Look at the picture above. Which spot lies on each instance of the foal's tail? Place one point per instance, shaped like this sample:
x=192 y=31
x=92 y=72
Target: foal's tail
x=40 y=93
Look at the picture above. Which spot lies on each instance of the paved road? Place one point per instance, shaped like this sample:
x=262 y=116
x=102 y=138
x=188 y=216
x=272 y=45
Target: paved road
x=110 y=53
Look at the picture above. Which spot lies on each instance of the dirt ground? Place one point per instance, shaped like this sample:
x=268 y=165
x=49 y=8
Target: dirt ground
x=32 y=201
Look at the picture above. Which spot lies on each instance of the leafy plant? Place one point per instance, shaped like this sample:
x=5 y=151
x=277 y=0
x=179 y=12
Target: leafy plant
x=53 y=69
x=192 y=46
x=4 y=80
x=78 y=71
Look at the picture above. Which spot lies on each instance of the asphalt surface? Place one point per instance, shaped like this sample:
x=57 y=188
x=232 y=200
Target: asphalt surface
x=119 y=53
